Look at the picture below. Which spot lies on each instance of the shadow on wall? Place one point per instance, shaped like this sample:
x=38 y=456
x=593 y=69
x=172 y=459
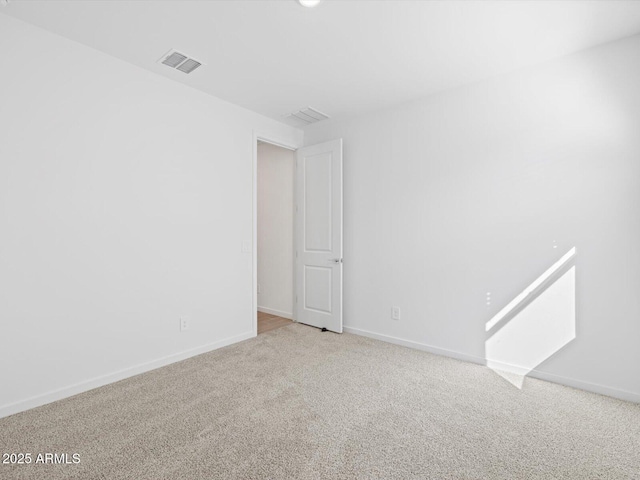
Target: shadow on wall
x=535 y=324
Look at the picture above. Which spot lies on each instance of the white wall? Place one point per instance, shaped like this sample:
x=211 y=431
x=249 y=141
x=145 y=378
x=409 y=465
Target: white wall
x=275 y=229
x=124 y=200
x=468 y=191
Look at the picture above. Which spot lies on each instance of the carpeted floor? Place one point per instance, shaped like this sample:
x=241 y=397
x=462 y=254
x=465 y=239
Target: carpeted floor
x=296 y=403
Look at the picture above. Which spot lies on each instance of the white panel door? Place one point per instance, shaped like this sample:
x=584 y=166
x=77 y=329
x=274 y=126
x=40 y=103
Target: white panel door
x=319 y=235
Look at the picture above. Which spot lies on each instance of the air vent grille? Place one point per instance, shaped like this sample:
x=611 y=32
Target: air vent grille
x=179 y=61
x=174 y=59
x=189 y=65
x=306 y=116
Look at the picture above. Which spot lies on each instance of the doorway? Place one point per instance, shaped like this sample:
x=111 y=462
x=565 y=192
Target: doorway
x=312 y=262
x=275 y=236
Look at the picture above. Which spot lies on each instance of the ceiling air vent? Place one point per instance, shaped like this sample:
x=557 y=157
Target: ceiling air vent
x=179 y=61
x=306 y=116
x=189 y=65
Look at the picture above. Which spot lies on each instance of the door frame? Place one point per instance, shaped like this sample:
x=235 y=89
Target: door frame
x=289 y=145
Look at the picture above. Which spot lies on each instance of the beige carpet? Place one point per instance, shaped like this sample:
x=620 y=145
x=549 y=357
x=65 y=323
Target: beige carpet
x=296 y=403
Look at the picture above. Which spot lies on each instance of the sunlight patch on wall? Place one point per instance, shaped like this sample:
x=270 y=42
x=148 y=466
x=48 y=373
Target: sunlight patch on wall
x=538 y=323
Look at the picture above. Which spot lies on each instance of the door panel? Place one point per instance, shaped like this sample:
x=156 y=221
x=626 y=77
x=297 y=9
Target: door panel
x=317 y=286
x=317 y=203
x=319 y=235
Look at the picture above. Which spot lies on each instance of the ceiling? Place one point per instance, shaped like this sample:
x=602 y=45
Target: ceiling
x=342 y=57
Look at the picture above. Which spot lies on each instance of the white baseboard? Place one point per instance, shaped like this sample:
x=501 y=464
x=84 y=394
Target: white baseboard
x=279 y=313
x=589 y=387
x=418 y=346
x=549 y=377
x=81 y=387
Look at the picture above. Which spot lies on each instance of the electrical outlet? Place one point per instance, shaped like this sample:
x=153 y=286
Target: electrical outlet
x=395 y=313
x=184 y=324
x=259 y=289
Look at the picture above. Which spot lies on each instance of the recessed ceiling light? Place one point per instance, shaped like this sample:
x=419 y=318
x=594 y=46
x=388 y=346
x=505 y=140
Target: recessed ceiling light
x=309 y=3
